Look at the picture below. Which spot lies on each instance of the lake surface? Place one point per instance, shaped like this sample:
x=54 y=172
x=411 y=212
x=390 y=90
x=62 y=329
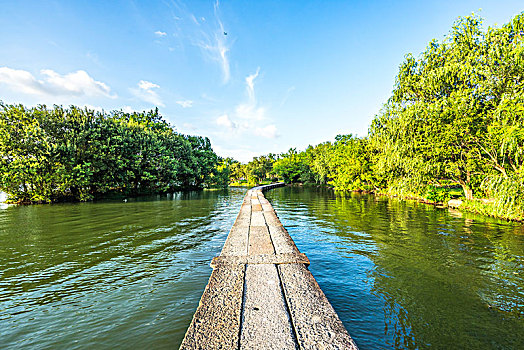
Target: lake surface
x=109 y=275
x=130 y=274
x=407 y=275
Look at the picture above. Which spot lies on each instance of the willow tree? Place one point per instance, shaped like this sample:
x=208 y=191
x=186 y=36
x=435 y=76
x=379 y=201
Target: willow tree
x=447 y=116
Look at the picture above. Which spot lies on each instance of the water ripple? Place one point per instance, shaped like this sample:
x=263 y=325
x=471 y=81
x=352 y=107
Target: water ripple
x=403 y=275
x=108 y=274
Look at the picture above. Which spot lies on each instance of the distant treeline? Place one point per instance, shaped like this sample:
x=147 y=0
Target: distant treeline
x=455 y=118
x=56 y=154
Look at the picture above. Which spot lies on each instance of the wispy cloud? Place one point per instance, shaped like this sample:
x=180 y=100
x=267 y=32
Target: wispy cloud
x=250 y=85
x=193 y=18
x=238 y=153
x=147 y=92
x=185 y=103
x=160 y=33
x=208 y=34
x=247 y=116
x=286 y=95
x=224 y=120
x=215 y=44
x=269 y=131
x=78 y=83
x=250 y=110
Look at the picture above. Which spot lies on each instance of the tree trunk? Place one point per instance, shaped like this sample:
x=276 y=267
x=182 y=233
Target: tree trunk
x=468 y=192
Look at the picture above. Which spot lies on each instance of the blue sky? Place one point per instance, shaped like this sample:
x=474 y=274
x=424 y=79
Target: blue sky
x=254 y=76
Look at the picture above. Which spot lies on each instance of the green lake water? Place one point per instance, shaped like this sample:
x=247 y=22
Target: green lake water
x=406 y=275
x=129 y=275
x=109 y=275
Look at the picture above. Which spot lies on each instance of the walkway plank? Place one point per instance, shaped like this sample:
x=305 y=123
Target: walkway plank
x=261 y=294
x=265 y=321
x=316 y=322
x=257 y=219
x=216 y=322
x=236 y=242
x=260 y=241
x=282 y=241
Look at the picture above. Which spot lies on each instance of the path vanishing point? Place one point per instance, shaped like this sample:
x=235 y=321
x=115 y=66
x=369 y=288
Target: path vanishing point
x=261 y=294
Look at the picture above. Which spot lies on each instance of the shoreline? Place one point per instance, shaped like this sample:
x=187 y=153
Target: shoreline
x=478 y=206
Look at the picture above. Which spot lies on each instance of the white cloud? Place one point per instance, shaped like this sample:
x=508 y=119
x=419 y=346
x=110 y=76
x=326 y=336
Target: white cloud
x=224 y=120
x=247 y=116
x=241 y=154
x=185 y=103
x=189 y=126
x=160 y=34
x=128 y=109
x=78 y=83
x=147 y=85
x=250 y=85
x=147 y=93
x=215 y=45
x=250 y=111
x=94 y=108
x=269 y=131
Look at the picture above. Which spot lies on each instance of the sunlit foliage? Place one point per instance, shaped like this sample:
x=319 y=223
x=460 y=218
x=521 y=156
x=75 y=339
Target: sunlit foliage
x=79 y=154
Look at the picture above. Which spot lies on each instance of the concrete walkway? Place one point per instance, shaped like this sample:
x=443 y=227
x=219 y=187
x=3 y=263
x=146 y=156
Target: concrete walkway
x=261 y=294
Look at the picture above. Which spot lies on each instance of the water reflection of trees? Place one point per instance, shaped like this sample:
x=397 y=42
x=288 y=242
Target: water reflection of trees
x=446 y=281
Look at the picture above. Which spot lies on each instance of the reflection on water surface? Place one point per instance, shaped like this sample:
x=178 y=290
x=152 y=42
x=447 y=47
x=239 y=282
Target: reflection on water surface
x=108 y=274
x=407 y=275
x=129 y=275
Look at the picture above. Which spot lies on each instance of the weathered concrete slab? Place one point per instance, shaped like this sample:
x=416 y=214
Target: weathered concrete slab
x=236 y=242
x=216 y=322
x=316 y=323
x=267 y=207
x=275 y=259
x=282 y=241
x=243 y=220
x=271 y=218
x=257 y=219
x=260 y=241
x=245 y=211
x=265 y=321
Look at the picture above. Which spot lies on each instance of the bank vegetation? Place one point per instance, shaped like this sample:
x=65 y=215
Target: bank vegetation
x=453 y=126
x=78 y=154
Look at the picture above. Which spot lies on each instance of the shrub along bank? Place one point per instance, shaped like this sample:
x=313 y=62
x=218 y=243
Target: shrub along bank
x=55 y=154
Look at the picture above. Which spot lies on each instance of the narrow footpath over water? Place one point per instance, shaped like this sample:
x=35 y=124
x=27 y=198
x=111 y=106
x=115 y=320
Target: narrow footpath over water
x=261 y=294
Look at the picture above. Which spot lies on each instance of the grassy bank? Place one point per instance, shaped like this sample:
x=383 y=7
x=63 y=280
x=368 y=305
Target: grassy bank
x=491 y=208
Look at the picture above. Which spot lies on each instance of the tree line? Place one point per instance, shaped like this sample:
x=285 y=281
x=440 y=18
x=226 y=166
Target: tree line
x=455 y=119
x=55 y=154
